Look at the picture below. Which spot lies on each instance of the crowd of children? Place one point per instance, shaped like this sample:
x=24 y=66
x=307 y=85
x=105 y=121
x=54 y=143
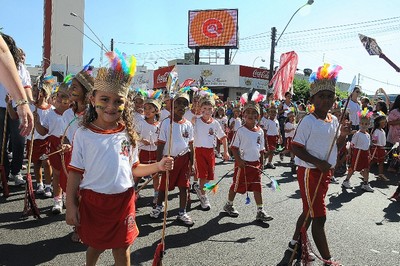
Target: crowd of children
x=87 y=124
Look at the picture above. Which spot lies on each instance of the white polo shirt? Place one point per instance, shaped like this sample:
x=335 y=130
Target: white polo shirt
x=205 y=133
x=250 y=143
x=272 y=127
x=316 y=136
x=149 y=132
x=182 y=135
x=288 y=126
x=73 y=121
x=380 y=137
x=361 y=140
x=54 y=123
x=43 y=113
x=105 y=158
x=238 y=123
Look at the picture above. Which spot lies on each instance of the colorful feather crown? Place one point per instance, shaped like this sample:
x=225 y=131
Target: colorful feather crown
x=324 y=79
x=118 y=77
x=365 y=114
x=65 y=84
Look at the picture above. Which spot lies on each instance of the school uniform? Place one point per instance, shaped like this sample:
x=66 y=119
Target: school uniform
x=377 y=150
x=148 y=153
x=271 y=128
x=360 y=151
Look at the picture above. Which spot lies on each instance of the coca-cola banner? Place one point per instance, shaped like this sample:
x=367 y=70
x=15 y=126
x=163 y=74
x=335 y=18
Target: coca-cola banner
x=251 y=77
x=161 y=77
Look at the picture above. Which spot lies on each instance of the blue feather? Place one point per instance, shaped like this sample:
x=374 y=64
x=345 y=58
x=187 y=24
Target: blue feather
x=86 y=67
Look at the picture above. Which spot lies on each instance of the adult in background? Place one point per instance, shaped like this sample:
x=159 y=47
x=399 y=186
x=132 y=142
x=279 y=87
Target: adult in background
x=17 y=141
x=283 y=109
x=394 y=129
x=353 y=108
x=10 y=81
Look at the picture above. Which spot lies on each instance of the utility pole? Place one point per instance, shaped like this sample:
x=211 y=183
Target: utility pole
x=112 y=44
x=272 y=57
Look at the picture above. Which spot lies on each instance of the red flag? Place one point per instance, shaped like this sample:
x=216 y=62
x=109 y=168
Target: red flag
x=187 y=83
x=157 y=260
x=283 y=78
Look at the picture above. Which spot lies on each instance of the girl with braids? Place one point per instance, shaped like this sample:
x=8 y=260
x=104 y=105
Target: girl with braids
x=104 y=158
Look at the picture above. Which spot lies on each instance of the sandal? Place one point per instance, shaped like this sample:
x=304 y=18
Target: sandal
x=75 y=236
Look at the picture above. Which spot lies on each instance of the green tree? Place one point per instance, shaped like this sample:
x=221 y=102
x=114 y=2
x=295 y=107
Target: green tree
x=301 y=89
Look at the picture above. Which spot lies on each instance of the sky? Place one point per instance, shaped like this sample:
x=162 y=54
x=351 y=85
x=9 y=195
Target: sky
x=157 y=30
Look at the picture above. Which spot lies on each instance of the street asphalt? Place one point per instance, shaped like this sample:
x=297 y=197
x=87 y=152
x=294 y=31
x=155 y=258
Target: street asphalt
x=362 y=228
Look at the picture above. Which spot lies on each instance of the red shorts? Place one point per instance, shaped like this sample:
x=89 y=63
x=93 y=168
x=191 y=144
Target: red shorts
x=204 y=163
x=231 y=134
x=63 y=175
x=359 y=160
x=308 y=179
x=55 y=159
x=179 y=176
x=288 y=145
x=247 y=179
x=377 y=154
x=147 y=157
x=40 y=147
x=271 y=142
x=107 y=221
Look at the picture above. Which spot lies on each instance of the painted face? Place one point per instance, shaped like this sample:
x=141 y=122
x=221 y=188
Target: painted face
x=323 y=101
x=149 y=110
x=76 y=91
x=109 y=106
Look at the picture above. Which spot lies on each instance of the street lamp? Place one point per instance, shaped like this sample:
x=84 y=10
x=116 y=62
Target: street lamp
x=73 y=26
x=76 y=15
x=155 y=62
x=275 y=43
x=262 y=60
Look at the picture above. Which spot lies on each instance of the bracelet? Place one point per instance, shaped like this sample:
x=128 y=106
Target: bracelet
x=21 y=102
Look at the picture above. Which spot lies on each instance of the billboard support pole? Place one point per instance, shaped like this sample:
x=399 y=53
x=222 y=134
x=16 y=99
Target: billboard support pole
x=197 y=56
x=226 y=56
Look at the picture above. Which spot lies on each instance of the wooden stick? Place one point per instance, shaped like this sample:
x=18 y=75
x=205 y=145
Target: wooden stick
x=45 y=156
x=6 y=191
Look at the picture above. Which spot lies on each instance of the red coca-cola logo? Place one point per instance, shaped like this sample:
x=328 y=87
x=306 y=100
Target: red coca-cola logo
x=260 y=74
x=162 y=78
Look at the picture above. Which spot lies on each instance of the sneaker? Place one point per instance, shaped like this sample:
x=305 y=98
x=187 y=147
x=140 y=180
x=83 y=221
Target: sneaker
x=270 y=166
x=218 y=155
x=291 y=247
x=230 y=209
x=263 y=216
x=383 y=177
x=57 y=206
x=17 y=179
x=367 y=188
x=185 y=218
x=156 y=211
x=197 y=189
x=334 y=180
x=40 y=189
x=192 y=190
x=47 y=192
x=346 y=184
x=205 y=203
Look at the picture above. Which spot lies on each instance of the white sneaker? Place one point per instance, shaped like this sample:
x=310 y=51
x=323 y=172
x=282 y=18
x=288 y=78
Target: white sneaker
x=346 y=184
x=205 y=203
x=57 y=206
x=47 y=192
x=17 y=179
x=40 y=189
x=367 y=187
x=156 y=211
x=185 y=218
x=197 y=189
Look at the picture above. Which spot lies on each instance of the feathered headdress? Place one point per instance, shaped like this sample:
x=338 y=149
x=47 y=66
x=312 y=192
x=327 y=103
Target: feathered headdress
x=118 y=77
x=63 y=88
x=365 y=114
x=154 y=97
x=85 y=77
x=324 y=79
x=251 y=99
x=48 y=84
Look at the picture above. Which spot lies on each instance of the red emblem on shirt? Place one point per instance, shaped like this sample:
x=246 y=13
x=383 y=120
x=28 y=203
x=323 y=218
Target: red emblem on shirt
x=185 y=134
x=211 y=131
x=125 y=148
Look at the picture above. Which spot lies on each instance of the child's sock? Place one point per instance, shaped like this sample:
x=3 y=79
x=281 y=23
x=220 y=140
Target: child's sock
x=229 y=202
x=260 y=207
